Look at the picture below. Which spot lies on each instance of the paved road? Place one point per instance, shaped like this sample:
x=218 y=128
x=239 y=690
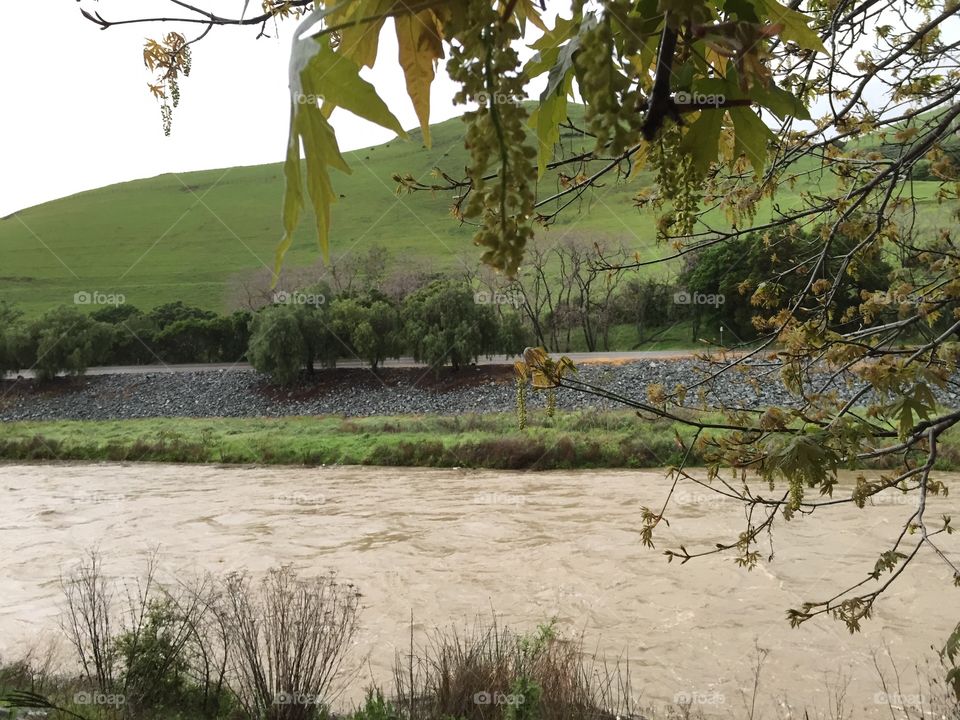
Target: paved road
x=401 y=362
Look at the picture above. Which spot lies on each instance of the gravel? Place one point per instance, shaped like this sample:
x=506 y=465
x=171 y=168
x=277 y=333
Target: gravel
x=487 y=389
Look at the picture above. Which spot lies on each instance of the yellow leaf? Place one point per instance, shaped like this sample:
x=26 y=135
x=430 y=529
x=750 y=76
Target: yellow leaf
x=318 y=71
x=309 y=126
x=359 y=42
x=420 y=45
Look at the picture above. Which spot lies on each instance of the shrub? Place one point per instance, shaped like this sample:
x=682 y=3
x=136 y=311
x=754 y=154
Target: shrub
x=66 y=340
x=291 y=638
x=277 y=346
x=491 y=672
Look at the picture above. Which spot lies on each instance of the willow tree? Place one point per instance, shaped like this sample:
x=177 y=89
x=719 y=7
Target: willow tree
x=728 y=104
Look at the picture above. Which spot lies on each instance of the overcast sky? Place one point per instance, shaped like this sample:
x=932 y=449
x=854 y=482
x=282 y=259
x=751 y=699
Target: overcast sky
x=76 y=112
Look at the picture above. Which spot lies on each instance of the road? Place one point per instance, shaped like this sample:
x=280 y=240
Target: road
x=599 y=357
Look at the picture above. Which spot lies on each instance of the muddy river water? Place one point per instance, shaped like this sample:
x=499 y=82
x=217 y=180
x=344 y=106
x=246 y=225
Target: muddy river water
x=449 y=545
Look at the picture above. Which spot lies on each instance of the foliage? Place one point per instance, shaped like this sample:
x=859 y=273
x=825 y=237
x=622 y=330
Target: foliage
x=169 y=313
x=757 y=276
x=217 y=339
x=11 y=338
x=277 y=346
x=65 y=340
x=376 y=708
x=369 y=327
x=154 y=666
x=717 y=100
x=291 y=637
x=444 y=324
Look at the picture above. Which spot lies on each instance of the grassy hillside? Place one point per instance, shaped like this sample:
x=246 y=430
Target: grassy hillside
x=190 y=237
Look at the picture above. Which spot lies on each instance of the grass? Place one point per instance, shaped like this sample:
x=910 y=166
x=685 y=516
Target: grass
x=571 y=440
x=193 y=236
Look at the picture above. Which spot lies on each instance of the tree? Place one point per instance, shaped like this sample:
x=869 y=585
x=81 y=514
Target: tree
x=286 y=338
x=277 y=346
x=169 y=313
x=708 y=105
x=370 y=327
x=12 y=339
x=444 y=324
x=752 y=275
x=65 y=340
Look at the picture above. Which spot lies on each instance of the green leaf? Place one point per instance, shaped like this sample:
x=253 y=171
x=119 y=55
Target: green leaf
x=782 y=103
x=309 y=126
x=751 y=137
x=318 y=73
x=546 y=119
x=337 y=80
x=796 y=25
x=702 y=140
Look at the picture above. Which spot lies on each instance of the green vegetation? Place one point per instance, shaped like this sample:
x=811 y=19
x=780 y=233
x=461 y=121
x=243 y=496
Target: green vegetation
x=195 y=236
x=569 y=440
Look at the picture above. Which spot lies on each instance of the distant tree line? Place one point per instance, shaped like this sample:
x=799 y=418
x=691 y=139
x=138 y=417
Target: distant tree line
x=568 y=296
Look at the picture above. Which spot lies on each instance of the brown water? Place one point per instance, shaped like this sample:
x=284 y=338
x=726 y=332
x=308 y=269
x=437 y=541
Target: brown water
x=449 y=545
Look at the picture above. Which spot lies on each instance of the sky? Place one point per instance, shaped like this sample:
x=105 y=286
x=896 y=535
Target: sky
x=76 y=112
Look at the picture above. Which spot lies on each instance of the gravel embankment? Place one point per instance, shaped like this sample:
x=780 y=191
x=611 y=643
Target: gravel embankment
x=351 y=392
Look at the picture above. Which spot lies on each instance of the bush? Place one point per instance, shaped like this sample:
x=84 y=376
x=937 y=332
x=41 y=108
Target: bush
x=66 y=340
x=492 y=672
x=277 y=346
x=291 y=637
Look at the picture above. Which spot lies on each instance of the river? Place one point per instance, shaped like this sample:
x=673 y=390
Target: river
x=452 y=545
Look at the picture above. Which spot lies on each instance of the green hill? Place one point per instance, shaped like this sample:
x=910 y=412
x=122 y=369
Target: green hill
x=192 y=236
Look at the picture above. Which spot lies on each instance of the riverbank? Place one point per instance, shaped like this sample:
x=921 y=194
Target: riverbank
x=584 y=439
x=356 y=392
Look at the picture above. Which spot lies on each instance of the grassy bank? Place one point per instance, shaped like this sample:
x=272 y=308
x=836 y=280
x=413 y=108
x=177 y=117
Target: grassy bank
x=570 y=440
x=581 y=440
